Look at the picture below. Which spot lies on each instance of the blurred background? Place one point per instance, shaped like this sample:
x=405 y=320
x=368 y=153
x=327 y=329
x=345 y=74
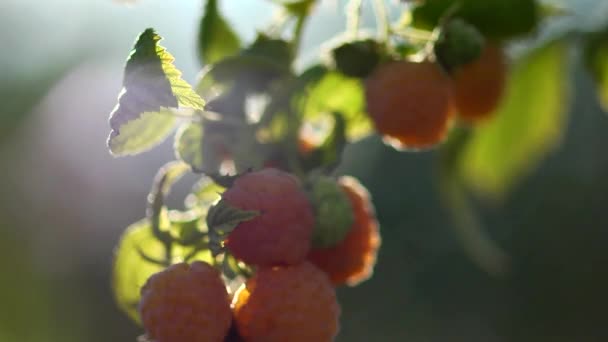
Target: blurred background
x=65 y=201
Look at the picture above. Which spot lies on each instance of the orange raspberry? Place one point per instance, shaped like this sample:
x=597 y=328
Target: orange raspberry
x=352 y=260
x=409 y=103
x=186 y=303
x=295 y=303
x=478 y=86
x=281 y=234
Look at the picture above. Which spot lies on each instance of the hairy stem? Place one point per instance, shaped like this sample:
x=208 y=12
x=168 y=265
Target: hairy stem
x=382 y=19
x=353 y=17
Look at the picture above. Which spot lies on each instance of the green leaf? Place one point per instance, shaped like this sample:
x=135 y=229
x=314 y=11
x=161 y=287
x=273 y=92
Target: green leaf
x=526 y=127
x=131 y=270
x=497 y=19
x=143 y=133
x=222 y=218
x=217 y=39
x=596 y=61
x=186 y=227
x=189 y=145
x=151 y=84
x=252 y=70
x=329 y=152
x=278 y=51
x=138 y=256
x=335 y=92
x=205 y=193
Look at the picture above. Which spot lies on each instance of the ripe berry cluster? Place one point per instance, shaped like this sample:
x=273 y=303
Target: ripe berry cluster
x=413 y=103
x=261 y=260
x=296 y=256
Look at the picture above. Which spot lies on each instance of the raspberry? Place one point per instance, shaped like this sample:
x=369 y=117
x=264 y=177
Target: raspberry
x=186 y=303
x=352 y=260
x=409 y=103
x=281 y=234
x=478 y=86
x=295 y=303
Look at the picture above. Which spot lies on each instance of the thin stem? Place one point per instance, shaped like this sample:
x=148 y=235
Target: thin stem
x=414 y=34
x=298 y=32
x=168 y=252
x=353 y=18
x=278 y=23
x=382 y=20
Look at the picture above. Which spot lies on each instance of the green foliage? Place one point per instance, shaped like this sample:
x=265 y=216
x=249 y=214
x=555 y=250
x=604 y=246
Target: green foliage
x=143 y=133
x=278 y=51
x=330 y=91
x=222 y=218
x=216 y=39
x=253 y=69
x=186 y=227
x=497 y=19
x=527 y=126
x=596 y=60
x=328 y=107
x=151 y=85
x=164 y=237
x=329 y=152
x=188 y=145
x=140 y=254
x=131 y=269
x=205 y=193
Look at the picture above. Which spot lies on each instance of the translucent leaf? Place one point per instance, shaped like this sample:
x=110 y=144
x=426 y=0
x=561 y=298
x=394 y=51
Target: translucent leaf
x=205 y=193
x=186 y=226
x=596 y=58
x=335 y=92
x=526 y=127
x=329 y=150
x=186 y=96
x=188 y=145
x=142 y=134
x=216 y=38
x=151 y=83
x=138 y=256
x=131 y=270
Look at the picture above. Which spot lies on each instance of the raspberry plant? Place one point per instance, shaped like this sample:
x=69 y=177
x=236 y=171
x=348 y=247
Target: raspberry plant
x=266 y=138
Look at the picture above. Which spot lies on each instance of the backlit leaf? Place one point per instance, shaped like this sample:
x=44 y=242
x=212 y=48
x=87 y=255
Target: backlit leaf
x=526 y=127
x=151 y=84
x=217 y=39
x=335 y=92
x=143 y=133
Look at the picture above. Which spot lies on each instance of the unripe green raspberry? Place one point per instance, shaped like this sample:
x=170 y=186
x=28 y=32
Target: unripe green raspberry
x=333 y=213
x=357 y=58
x=460 y=43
